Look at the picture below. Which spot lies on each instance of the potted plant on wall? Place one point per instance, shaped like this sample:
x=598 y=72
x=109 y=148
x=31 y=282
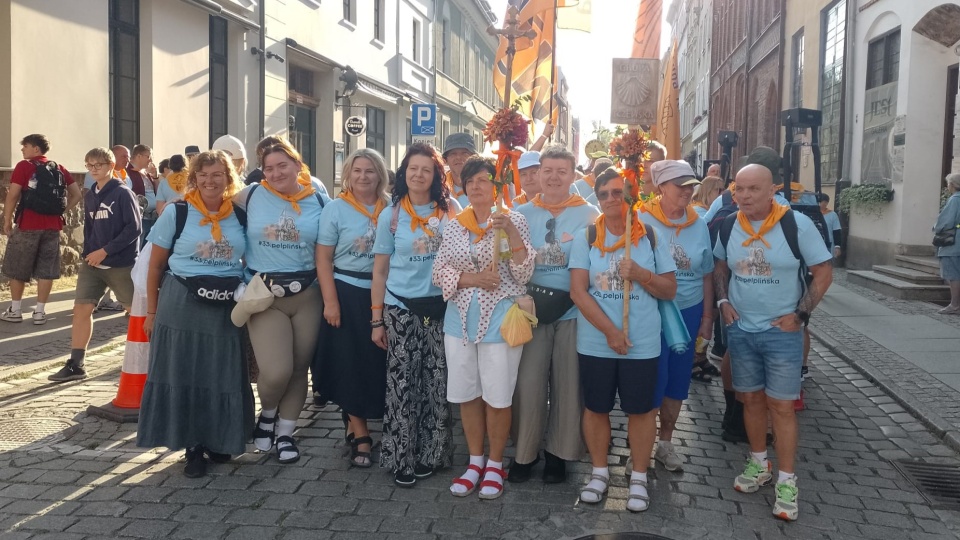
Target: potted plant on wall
x=865 y=199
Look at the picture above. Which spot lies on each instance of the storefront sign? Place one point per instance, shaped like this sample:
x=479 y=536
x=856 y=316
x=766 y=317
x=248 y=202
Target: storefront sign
x=355 y=125
x=879 y=117
x=634 y=95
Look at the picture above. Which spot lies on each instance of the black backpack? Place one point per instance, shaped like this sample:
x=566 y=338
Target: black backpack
x=788 y=223
x=727 y=206
x=46 y=193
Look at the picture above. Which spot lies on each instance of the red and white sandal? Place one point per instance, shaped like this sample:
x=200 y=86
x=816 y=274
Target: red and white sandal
x=461 y=481
x=493 y=483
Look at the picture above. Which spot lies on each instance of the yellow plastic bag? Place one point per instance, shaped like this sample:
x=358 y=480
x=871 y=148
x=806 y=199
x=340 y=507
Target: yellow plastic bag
x=518 y=324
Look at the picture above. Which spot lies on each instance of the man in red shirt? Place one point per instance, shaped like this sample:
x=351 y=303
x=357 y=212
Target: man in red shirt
x=33 y=249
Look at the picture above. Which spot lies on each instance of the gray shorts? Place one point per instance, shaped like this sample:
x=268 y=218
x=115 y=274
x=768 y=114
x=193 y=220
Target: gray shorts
x=32 y=254
x=92 y=282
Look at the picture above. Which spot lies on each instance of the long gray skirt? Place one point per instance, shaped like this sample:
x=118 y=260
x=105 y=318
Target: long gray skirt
x=197 y=390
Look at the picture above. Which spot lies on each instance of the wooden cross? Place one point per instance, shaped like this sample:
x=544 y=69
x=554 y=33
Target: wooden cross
x=511 y=30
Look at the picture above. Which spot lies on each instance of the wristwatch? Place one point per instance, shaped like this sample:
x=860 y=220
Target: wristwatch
x=804 y=316
x=722 y=301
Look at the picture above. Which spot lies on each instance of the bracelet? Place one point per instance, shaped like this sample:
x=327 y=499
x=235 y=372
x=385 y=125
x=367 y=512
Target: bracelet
x=380 y=307
x=722 y=301
x=519 y=249
x=151 y=313
x=377 y=323
x=648 y=280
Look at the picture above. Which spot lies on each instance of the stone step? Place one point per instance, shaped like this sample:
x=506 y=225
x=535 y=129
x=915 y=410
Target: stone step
x=898 y=288
x=918 y=277
x=930 y=265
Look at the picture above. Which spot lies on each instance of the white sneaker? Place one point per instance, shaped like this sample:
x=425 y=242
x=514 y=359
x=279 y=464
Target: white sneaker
x=11 y=316
x=666 y=454
x=39 y=317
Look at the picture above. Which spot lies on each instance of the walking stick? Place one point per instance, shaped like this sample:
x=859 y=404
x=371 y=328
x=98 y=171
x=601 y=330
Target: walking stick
x=627 y=284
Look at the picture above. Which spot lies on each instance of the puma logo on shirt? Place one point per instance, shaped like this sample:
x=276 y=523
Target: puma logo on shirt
x=104 y=212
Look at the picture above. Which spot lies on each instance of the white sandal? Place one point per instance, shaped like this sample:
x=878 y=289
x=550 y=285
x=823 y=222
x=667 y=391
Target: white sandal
x=593 y=491
x=645 y=499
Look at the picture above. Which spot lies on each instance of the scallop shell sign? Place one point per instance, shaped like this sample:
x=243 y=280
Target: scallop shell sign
x=635 y=84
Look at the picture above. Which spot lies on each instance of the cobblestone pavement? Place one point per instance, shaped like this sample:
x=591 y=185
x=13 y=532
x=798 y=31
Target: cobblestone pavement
x=97 y=484
x=935 y=402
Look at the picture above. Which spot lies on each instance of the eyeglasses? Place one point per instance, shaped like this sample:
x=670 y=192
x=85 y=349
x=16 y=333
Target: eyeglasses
x=615 y=193
x=95 y=166
x=214 y=176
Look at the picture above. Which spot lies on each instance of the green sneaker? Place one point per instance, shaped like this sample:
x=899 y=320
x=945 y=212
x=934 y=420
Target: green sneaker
x=754 y=476
x=786 y=506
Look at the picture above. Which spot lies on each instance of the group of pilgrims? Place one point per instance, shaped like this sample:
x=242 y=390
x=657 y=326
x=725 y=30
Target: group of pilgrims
x=392 y=297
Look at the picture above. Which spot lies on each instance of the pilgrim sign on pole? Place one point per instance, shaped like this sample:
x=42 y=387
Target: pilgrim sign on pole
x=634 y=91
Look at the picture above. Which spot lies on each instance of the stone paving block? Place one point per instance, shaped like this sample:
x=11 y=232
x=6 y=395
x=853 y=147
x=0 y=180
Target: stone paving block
x=382 y=508
x=461 y=528
x=197 y=513
x=394 y=524
x=255 y=516
x=146 y=494
x=248 y=532
x=356 y=523
x=48 y=523
x=308 y=519
x=323 y=488
x=152 y=528
x=104 y=494
x=36 y=507
x=306 y=534
x=152 y=511
x=192 y=496
x=240 y=498
x=103 y=508
x=44 y=536
x=284 y=501
x=98 y=525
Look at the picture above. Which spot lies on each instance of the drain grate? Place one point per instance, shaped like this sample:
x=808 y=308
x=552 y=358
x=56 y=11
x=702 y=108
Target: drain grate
x=19 y=432
x=938 y=484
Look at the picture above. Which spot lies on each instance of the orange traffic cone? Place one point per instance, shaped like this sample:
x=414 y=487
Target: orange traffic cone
x=136 y=355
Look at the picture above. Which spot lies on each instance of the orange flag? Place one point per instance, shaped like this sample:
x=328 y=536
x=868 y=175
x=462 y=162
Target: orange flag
x=667 y=128
x=646 y=38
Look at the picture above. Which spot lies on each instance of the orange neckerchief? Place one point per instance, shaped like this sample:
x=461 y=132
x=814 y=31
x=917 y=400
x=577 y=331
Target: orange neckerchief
x=521 y=199
x=570 y=202
x=504 y=154
x=121 y=174
x=638 y=232
x=359 y=207
x=654 y=209
x=304 y=178
x=590 y=180
x=305 y=192
x=776 y=212
x=417 y=221
x=468 y=218
x=454 y=187
x=177 y=181
x=226 y=208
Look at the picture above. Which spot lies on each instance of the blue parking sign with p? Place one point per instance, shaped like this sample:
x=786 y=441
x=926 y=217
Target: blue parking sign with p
x=424 y=118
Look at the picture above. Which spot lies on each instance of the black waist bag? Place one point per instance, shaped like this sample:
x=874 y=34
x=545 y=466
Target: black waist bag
x=430 y=307
x=283 y=284
x=551 y=303
x=211 y=289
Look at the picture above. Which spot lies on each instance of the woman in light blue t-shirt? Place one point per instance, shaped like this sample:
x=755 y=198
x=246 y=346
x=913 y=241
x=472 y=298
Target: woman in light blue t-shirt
x=197 y=395
x=408 y=319
x=348 y=368
x=613 y=361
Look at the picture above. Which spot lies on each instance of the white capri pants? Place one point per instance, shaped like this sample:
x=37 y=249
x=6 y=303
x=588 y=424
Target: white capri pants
x=487 y=370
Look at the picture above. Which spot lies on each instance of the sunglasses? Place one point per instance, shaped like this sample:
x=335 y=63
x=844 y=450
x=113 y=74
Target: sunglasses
x=551 y=235
x=604 y=195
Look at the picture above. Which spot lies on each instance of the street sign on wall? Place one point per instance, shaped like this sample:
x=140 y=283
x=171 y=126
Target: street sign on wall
x=355 y=125
x=423 y=120
x=635 y=85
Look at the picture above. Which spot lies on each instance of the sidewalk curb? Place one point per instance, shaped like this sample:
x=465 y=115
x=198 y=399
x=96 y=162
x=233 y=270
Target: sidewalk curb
x=28 y=370
x=944 y=430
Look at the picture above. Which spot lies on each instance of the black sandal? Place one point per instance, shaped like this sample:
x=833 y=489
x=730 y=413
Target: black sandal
x=289 y=446
x=699 y=374
x=355 y=453
x=260 y=433
x=347 y=435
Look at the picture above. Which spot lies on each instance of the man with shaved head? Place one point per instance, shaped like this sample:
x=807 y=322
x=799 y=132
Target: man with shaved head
x=765 y=303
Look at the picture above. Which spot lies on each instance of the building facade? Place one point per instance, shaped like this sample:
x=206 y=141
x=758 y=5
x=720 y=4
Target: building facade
x=814 y=78
x=172 y=73
x=692 y=24
x=902 y=123
x=745 y=59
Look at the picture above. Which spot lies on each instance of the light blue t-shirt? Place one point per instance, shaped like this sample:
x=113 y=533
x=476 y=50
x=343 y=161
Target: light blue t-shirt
x=701 y=211
x=583 y=188
x=451 y=319
x=196 y=253
x=278 y=238
x=606 y=287
x=691 y=253
x=552 y=238
x=411 y=253
x=718 y=203
x=765 y=281
x=833 y=224
x=352 y=234
x=166 y=193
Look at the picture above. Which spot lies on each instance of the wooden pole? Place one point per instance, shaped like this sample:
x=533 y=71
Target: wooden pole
x=627 y=284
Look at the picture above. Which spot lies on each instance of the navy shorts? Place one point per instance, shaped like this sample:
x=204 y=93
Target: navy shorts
x=675 y=368
x=635 y=380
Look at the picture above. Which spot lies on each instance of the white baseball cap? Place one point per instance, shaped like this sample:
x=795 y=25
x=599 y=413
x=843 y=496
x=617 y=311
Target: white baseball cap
x=230 y=145
x=677 y=171
x=528 y=159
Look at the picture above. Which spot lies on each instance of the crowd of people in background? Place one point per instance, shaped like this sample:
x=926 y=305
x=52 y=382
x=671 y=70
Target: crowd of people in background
x=392 y=299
